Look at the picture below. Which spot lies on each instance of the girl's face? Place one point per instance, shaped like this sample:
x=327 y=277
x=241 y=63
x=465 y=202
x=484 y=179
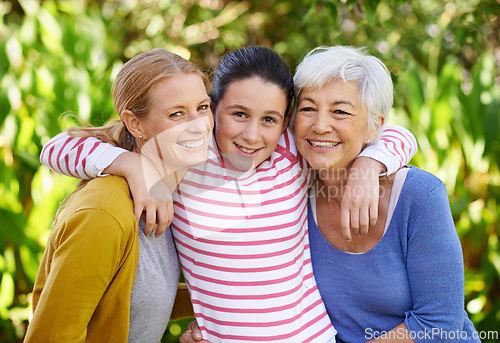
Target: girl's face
x=179 y=124
x=249 y=121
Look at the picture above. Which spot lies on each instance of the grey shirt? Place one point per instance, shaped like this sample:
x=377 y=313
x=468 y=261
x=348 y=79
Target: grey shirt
x=154 y=288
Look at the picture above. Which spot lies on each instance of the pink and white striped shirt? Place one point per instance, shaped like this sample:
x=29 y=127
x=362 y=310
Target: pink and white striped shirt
x=242 y=237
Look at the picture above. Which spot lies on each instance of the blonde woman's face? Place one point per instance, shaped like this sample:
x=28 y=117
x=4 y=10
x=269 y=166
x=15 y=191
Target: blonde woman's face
x=179 y=124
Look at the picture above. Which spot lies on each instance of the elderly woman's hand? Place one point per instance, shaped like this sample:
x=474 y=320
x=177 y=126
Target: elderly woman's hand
x=359 y=207
x=192 y=334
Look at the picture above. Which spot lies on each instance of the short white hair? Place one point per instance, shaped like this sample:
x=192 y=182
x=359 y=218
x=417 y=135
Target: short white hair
x=324 y=64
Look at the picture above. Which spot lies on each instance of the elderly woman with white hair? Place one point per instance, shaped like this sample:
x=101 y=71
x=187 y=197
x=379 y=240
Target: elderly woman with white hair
x=404 y=279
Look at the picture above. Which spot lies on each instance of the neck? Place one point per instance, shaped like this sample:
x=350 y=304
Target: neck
x=155 y=169
x=331 y=184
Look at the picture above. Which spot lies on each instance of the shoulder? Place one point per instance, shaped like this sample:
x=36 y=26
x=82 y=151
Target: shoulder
x=423 y=194
x=287 y=141
x=422 y=182
x=103 y=201
x=286 y=146
x=109 y=193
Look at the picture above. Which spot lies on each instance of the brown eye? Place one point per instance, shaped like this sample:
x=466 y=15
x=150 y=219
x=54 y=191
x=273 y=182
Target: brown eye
x=269 y=120
x=239 y=114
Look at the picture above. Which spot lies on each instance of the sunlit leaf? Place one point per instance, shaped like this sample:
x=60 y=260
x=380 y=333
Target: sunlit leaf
x=6 y=293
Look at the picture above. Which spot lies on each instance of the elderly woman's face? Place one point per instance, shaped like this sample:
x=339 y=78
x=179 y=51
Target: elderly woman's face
x=331 y=126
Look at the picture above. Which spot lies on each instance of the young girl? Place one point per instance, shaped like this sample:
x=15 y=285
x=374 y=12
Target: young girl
x=240 y=223
x=85 y=288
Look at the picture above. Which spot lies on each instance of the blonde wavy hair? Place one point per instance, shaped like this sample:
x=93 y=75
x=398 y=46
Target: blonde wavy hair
x=132 y=90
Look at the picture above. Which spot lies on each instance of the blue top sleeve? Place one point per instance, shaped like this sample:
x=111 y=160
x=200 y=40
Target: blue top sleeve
x=435 y=268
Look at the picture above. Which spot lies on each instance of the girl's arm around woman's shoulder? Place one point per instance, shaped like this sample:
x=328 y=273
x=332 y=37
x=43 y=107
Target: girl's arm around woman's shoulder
x=88 y=158
x=80 y=157
x=395 y=148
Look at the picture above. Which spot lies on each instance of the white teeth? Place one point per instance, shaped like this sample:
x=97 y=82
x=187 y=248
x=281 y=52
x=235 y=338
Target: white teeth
x=324 y=144
x=192 y=144
x=248 y=151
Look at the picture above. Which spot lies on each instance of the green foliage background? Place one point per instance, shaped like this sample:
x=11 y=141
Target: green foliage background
x=60 y=56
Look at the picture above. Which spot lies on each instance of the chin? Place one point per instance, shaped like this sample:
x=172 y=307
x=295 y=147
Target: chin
x=319 y=165
x=196 y=159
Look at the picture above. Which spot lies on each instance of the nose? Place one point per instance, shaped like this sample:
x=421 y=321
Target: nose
x=200 y=125
x=251 y=132
x=322 y=123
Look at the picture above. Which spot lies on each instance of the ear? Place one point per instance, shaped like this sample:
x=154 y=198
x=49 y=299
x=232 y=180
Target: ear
x=286 y=122
x=133 y=124
x=378 y=123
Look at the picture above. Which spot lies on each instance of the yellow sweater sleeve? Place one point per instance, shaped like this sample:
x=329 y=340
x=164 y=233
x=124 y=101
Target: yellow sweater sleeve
x=86 y=258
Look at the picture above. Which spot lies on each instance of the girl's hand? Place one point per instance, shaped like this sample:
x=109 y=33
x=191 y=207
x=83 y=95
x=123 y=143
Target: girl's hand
x=359 y=207
x=192 y=334
x=157 y=214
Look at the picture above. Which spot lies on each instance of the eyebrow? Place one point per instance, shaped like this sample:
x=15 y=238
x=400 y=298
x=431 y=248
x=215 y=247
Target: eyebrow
x=336 y=102
x=182 y=106
x=205 y=100
x=241 y=107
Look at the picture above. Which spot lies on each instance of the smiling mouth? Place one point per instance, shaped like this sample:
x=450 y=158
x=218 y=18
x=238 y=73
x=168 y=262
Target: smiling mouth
x=246 y=150
x=192 y=144
x=323 y=144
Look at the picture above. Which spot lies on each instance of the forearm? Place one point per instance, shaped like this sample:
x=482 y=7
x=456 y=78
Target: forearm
x=367 y=167
x=124 y=165
x=81 y=157
x=395 y=148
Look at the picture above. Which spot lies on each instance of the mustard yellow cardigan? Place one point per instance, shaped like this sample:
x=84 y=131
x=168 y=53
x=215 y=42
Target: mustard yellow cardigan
x=82 y=290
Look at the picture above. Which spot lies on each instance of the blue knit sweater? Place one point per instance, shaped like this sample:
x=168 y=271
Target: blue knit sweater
x=414 y=274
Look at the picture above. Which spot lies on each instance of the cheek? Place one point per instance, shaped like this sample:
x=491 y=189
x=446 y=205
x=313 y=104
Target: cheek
x=223 y=121
x=300 y=125
x=218 y=124
x=224 y=134
x=158 y=126
x=272 y=137
x=211 y=121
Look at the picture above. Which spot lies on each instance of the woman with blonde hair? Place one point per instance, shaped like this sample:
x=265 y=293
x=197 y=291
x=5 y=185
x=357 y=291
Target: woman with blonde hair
x=94 y=278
